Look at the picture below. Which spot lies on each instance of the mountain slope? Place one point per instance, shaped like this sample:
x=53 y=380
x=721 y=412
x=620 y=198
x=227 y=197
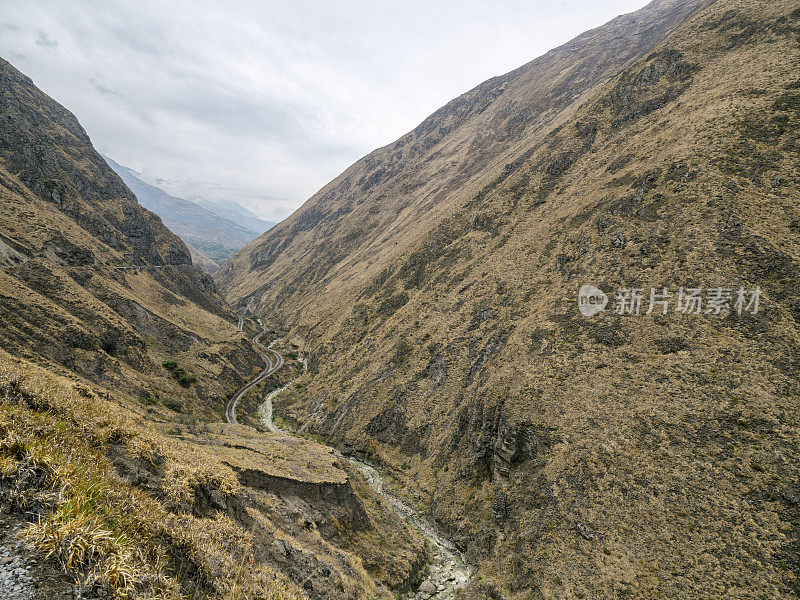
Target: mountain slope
x=212 y=234
x=91 y=280
x=435 y=283
x=380 y=202
x=202 y=260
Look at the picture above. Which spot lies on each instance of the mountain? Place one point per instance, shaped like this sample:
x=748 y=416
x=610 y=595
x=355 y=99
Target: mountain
x=435 y=284
x=117 y=358
x=213 y=235
x=92 y=281
x=237 y=213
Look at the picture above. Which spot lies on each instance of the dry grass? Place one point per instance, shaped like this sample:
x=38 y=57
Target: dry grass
x=106 y=533
x=62 y=448
x=275 y=454
x=115 y=327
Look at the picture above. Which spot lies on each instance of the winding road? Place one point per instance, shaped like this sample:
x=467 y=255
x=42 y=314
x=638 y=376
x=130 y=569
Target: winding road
x=269 y=368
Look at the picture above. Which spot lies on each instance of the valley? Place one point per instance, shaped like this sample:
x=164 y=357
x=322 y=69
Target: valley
x=543 y=346
x=434 y=285
x=118 y=357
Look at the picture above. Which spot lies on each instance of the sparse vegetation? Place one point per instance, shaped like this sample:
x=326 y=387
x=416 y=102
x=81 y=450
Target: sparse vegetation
x=172 y=404
x=115 y=539
x=184 y=378
x=445 y=319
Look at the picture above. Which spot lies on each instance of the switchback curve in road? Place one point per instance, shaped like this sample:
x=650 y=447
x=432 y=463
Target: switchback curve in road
x=269 y=368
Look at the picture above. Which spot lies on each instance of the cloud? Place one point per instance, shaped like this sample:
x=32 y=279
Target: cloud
x=45 y=42
x=103 y=90
x=264 y=103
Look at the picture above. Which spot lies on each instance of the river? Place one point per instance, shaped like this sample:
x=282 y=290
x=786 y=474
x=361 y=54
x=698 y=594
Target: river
x=449 y=570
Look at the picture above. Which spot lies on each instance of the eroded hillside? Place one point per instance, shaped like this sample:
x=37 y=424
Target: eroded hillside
x=435 y=284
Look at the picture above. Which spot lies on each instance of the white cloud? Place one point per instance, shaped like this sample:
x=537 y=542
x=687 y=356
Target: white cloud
x=265 y=102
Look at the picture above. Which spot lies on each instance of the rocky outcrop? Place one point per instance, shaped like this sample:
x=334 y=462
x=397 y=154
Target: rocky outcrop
x=330 y=504
x=513 y=444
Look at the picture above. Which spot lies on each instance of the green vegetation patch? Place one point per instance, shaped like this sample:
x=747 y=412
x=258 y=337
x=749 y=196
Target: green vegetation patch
x=182 y=376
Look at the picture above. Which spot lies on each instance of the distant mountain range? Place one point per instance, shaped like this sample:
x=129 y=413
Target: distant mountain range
x=213 y=230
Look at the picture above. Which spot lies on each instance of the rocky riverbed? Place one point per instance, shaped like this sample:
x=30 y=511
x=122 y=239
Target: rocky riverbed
x=449 y=570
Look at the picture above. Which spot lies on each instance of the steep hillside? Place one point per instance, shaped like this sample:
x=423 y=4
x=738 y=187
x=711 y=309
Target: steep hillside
x=119 y=506
x=117 y=357
x=435 y=284
x=202 y=260
x=91 y=281
x=386 y=202
x=214 y=235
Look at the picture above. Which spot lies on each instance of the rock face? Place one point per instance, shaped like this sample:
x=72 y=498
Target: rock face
x=332 y=504
x=512 y=444
x=23 y=576
x=435 y=282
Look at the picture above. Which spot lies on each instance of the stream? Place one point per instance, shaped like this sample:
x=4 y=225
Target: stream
x=449 y=571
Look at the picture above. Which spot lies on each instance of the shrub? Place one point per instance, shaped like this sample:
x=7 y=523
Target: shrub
x=180 y=374
x=183 y=378
x=147 y=398
x=173 y=404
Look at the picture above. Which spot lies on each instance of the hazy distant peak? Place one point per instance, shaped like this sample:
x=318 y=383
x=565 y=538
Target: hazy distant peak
x=235 y=212
x=217 y=234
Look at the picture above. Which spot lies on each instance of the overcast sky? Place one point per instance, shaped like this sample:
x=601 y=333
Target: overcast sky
x=265 y=102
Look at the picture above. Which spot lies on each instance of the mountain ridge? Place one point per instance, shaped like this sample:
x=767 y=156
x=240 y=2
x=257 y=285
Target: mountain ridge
x=448 y=117
x=235 y=212
x=94 y=274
